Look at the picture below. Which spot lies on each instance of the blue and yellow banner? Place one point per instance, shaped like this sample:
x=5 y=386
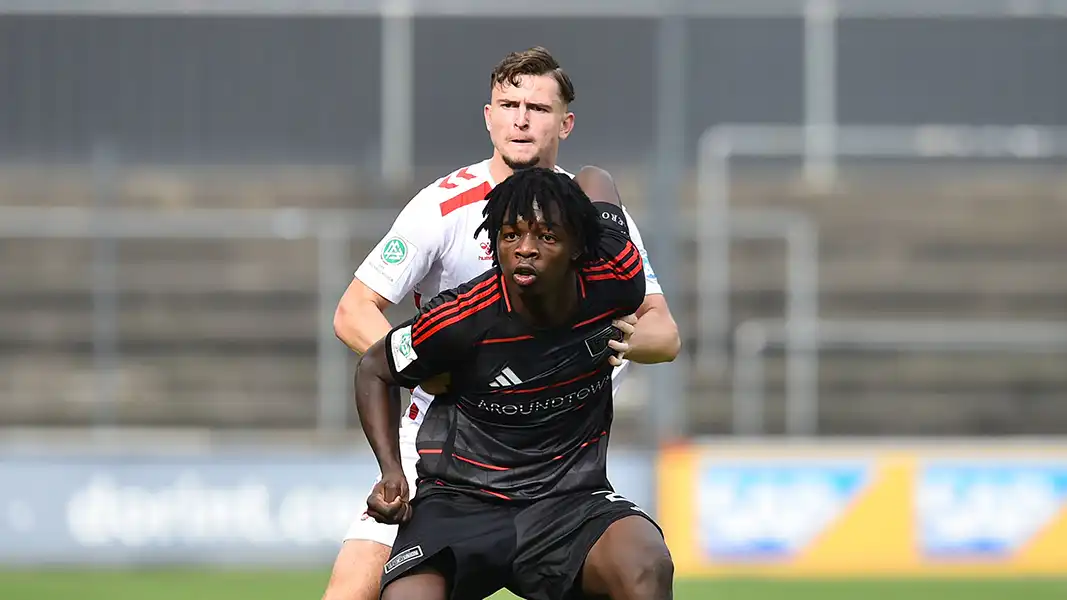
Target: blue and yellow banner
x=864 y=510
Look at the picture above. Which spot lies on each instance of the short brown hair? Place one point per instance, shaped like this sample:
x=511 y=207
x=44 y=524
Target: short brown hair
x=534 y=61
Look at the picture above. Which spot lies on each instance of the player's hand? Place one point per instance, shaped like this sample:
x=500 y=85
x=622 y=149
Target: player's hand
x=388 y=502
x=438 y=384
x=626 y=326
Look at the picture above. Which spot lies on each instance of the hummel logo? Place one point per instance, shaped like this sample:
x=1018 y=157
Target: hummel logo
x=506 y=378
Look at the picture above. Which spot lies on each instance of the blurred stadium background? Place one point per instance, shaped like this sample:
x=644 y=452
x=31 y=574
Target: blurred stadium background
x=857 y=209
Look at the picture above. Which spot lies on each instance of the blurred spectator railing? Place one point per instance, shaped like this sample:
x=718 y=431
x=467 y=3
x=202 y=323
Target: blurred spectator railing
x=398 y=41
x=332 y=231
x=719 y=145
x=753 y=337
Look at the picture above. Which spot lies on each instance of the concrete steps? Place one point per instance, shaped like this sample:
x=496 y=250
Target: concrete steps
x=222 y=333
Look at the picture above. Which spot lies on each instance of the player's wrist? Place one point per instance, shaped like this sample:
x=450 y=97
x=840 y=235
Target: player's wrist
x=391 y=468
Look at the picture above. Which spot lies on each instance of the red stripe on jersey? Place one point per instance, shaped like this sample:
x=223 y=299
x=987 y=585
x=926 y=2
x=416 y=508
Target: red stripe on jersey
x=504 y=291
x=455 y=314
x=470 y=196
x=625 y=253
x=518 y=338
x=586 y=444
x=478 y=464
x=554 y=385
x=620 y=277
x=581 y=284
x=632 y=264
x=430 y=451
x=629 y=269
x=498 y=495
x=625 y=257
x=492 y=299
x=445 y=308
x=592 y=441
x=595 y=319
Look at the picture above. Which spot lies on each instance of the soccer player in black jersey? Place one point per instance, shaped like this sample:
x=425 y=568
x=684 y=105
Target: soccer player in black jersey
x=513 y=490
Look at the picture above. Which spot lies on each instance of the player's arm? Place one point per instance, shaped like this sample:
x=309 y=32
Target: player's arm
x=655 y=338
x=359 y=320
x=618 y=259
x=378 y=405
x=400 y=260
x=431 y=343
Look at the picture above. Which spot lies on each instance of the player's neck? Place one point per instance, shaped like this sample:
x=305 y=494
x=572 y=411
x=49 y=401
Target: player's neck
x=546 y=309
x=499 y=170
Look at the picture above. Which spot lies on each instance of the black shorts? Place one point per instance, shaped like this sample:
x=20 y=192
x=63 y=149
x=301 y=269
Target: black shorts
x=536 y=550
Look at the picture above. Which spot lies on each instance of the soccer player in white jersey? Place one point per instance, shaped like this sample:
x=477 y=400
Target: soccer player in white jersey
x=431 y=247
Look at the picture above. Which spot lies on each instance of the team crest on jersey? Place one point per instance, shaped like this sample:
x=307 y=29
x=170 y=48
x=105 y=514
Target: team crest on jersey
x=395 y=251
x=598 y=343
x=400 y=345
x=394 y=257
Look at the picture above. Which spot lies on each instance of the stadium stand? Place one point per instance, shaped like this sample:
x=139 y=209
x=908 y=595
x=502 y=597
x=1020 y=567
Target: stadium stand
x=222 y=333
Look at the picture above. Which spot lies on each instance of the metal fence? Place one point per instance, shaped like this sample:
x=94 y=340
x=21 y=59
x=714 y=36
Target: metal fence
x=802 y=325
x=180 y=322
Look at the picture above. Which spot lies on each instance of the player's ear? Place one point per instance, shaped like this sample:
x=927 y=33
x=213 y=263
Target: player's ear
x=566 y=125
x=488 y=126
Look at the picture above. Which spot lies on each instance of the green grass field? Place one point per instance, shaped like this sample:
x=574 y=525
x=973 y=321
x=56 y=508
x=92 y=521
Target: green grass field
x=307 y=585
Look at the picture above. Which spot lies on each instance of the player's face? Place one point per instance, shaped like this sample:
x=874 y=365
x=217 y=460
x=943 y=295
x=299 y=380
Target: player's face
x=535 y=254
x=526 y=122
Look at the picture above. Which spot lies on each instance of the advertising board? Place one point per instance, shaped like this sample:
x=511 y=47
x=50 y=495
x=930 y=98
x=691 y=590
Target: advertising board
x=865 y=510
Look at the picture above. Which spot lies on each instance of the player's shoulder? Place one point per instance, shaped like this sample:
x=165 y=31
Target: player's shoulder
x=453 y=192
x=481 y=290
x=462 y=314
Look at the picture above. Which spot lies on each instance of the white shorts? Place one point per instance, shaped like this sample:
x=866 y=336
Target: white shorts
x=365 y=527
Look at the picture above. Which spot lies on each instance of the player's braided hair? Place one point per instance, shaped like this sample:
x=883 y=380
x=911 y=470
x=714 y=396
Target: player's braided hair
x=556 y=194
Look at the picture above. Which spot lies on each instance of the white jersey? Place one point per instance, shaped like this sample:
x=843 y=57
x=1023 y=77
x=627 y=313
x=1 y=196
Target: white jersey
x=431 y=247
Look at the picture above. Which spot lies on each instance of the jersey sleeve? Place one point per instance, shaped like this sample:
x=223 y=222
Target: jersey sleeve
x=618 y=262
x=436 y=340
x=404 y=256
x=652 y=286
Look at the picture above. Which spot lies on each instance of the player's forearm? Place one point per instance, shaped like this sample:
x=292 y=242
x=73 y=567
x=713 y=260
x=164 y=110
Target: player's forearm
x=378 y=405
x=360 y=326
x=655 y=338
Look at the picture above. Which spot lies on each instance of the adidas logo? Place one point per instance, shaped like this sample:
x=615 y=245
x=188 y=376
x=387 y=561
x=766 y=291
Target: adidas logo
x=506 y=378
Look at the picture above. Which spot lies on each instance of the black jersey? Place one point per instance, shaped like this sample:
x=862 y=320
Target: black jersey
x=528 y=410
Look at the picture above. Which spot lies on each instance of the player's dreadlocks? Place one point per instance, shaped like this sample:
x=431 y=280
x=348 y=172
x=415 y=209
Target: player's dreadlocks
x=556 y=195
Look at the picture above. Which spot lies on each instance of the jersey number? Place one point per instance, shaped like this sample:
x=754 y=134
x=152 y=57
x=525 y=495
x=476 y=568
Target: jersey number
x=617 y=497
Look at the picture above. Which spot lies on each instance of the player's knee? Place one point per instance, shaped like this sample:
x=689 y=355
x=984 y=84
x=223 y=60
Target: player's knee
x=651 y=574
x=354 y=586
x=422 y=584
x=356 y=572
